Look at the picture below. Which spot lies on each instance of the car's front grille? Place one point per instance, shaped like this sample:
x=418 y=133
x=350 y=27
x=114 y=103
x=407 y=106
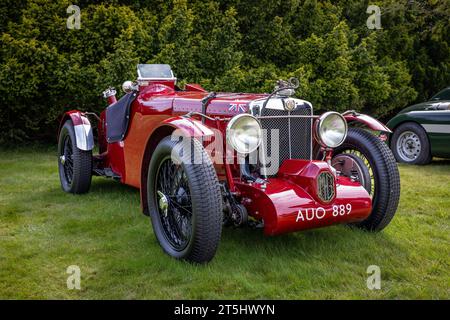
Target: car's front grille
x=294 y=139
x=325 y=186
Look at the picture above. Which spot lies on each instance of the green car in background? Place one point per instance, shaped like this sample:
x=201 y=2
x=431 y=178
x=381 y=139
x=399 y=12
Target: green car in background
x=422 y=131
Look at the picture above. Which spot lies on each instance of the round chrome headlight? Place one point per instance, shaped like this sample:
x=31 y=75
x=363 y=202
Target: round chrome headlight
x=331 y=130
x=244 y=133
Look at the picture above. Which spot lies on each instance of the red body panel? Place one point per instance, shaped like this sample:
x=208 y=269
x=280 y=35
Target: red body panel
x=194 y=87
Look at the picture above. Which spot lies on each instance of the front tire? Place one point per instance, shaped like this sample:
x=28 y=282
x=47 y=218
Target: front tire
x=184 y=200
x=383 y=172
x=74 y=165
x=410 y=144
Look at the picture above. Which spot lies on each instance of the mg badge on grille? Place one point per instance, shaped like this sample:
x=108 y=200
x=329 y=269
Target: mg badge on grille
x=325 y=186
x=289 y=105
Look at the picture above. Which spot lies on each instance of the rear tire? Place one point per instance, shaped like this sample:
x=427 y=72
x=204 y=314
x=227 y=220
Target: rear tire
x=74 y=165
x=184 y=200
x=385 y=184
x=410 y=144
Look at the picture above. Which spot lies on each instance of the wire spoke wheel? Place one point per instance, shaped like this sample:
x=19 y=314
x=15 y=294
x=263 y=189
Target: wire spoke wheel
x=365 y=158
x=174 y=204
x=66 y=159
x=364 y=171
x=184 y=201
x=74 y=164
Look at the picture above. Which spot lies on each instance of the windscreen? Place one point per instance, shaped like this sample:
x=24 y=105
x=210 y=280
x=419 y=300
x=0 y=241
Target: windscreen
x=159 y=71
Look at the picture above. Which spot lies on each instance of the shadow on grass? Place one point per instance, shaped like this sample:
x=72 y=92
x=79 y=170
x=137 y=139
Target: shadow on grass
x=309 y=245
x=434 y=162
x=100 y=187
x=105 y=185
x=440 y=162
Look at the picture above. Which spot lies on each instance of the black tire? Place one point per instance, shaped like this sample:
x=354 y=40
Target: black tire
x=74 y=165
x=203 y=213
x=417 y=151
x=384 y=172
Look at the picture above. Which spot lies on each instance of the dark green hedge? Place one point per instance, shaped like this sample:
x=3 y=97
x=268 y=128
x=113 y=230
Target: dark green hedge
x=229 y=45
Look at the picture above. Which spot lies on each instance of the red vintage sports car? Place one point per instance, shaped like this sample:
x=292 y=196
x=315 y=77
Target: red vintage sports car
x=204 y=159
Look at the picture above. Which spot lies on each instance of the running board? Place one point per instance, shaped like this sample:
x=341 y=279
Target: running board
x=108 y=173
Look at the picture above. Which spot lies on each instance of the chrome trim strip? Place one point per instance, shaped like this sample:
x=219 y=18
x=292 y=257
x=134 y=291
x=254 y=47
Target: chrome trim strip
x=434 y=111
x=290 y=135
x=437 y=128
x=288 y=116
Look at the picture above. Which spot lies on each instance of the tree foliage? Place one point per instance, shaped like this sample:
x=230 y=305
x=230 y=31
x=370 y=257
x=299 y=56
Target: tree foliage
x=228 y=45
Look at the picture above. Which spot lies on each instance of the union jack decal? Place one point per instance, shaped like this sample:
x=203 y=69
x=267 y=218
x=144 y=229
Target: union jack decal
x=238 y=107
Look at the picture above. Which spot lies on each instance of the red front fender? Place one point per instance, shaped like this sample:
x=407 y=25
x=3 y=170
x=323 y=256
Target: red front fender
x=182 y=126
x=370 y=122
x=189 y=127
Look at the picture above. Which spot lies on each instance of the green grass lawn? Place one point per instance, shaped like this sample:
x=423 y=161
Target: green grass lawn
x=43 y=231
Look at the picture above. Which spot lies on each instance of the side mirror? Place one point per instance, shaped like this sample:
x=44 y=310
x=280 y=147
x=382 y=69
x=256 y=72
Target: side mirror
x=129 y=86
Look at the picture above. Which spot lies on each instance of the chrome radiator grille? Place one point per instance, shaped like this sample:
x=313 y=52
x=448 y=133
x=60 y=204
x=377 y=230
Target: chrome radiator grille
x=295 y=140
x=325 y=186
